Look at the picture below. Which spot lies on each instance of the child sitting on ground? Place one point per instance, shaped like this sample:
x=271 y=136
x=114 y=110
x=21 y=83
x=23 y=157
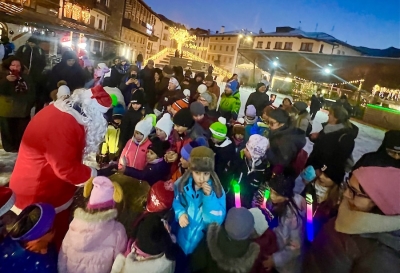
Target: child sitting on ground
x=134 y=153
x=94 y=238
x=156 y=168
x=27 y=247
x=199 y=199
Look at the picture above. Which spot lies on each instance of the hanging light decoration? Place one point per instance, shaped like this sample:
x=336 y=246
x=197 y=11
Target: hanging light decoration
x=11 y=7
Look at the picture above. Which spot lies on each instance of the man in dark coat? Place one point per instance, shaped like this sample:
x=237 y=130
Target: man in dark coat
x=259 y=99
x=316 y=104
x=345 y=104
x=146 y=76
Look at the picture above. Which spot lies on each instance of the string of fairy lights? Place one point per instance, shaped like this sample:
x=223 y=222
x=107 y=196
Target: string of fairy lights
x=332 y=83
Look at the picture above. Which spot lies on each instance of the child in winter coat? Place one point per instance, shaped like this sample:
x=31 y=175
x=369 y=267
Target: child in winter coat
x=238 y=131
x=249 y=169
x=230 y=101
x=156 y=168
x=7 y=200
x=27 y=247
x=288 y=210
x=199 y=199
x=201 y=117
x=164 y=127
x=94 y=238
x=227 y=248
x=250 y=119
x=152 y=250
x=134 y=153
x=223 y=148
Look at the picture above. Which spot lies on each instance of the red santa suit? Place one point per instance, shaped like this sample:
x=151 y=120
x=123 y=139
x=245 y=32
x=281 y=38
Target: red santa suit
x=50 y=165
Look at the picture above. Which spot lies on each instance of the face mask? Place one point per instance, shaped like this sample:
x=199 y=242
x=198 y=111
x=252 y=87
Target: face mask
x=321 y=192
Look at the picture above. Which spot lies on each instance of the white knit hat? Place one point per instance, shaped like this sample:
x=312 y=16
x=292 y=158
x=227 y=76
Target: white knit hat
x=63 y=90
x=260 y=222
x=145 y=126
x=165 y=124
x=202 y=88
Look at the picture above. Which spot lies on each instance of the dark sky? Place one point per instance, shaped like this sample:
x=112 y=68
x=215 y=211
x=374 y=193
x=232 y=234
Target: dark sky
x=368 y=23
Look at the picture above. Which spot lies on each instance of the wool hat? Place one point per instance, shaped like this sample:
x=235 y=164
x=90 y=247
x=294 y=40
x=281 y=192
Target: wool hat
x=300 y=106
x=259 y=85
x=180 y=104
x=239 y=223
x=98 y=98
x=209 y=78
x=165 y=124
x=137 y=97
x=202 y=88
x=207 y=96
x=381 y=184
x=251 y=111
x=63 y=90
x=152 y=237
x=283 y=185
x=159 y=147
x=197 y=109
x=257 y=146
x=114 y=99
x=392 y=140
x=7 y=200
x=260 y=222
x=118 y=111
x=145 y=126
x=187 y=149
x=174 y=81
x=233 y=85
x=160 y=197
x=33 y=39
x=238 y=127
x=184 y=118
x=168 y=70
x=334 y=171
x=41 y=227
x=103 y=193
x=280 y=115
x=308 y=174
x=218 y=129
x=202 y=159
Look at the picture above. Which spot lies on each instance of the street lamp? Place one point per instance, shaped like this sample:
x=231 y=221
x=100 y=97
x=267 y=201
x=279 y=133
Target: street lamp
x=327 y=71
x=275 y=63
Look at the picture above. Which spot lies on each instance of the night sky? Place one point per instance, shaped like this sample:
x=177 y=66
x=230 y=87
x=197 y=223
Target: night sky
x=374 y=24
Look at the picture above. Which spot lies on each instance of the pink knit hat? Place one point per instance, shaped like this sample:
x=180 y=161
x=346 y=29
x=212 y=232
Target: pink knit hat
x=102 y=194
x=382 y=186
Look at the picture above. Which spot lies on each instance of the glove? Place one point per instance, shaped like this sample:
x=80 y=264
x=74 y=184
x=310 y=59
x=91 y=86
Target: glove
x=110 y=170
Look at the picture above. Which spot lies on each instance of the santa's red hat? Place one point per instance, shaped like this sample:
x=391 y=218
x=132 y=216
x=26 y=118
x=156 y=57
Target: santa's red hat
x=160 y=197
x=7 y=200
x=102 y=100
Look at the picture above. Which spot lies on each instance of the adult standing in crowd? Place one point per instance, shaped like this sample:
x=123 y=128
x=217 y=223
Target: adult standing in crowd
x=146 y=75
x=167 y=73
x=17 y=97
x=212 y=86
x=259 y=99
x=118 y=71
x=129 y=83
x=67 y=70
x=343 y=101
x=194 y=84
x=316 y=104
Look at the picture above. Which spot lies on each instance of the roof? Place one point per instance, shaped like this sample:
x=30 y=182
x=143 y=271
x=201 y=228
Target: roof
x=230 y=33
x=168 y=21
x=390 y=52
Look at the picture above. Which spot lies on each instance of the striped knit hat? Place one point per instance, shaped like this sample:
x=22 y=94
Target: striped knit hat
x=218 y=129
x=180 y=104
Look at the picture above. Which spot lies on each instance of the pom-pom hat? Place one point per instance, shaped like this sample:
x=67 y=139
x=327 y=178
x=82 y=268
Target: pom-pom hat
x=238 y=127
x=187 y=149
x=160 y=197
x=202 y=88
x=165 y=124
x=180 y=104
x=103 y=193
x=218 y=129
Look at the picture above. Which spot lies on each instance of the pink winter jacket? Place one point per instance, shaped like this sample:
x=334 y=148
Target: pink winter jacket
x=135 y=154
x=92 y=243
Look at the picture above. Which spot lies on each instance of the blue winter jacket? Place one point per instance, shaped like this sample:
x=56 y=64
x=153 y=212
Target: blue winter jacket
x=202 y=210
x=15 y=258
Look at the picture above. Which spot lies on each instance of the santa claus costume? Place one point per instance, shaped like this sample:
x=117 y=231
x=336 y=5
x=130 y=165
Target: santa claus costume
x=50 y=165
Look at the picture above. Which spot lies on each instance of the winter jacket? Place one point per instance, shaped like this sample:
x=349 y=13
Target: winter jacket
x=260 y=100
x=110 y=144
x=198 y=131
x=15 y=258
x=128 y=90
x=229 y=105
x=336 y=146
x=217 y=253
x=285 y=144
x=202 y=210
x=303 y=122
x=34 y=58
x=206 y=122
x=92 y=243
x=346 y=105
x=290 y=237
x=358 y=242
x=315 y=104
x=136 y=263
x=268 y=245
x=177 y=174
x=163 y=86
x=214 y=89
x=146 y=75
x=177 y=142
x=135 y=154
x=151 y=173
x=224 y=154
x=117 y=73
x=16 y=104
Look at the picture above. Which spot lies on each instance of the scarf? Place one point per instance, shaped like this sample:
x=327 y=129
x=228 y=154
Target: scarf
x=330 y=128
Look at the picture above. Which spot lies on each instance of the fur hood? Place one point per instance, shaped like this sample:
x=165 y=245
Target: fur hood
x=98 y=217
x=237 y=265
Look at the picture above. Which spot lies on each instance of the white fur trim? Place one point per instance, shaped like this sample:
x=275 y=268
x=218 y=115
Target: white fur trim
x=60 y=105
x=102 y=216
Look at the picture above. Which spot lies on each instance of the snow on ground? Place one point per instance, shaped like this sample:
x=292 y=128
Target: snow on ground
x=368 y=140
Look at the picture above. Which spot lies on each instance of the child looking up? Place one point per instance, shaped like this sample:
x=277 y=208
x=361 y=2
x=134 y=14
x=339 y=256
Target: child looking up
x=199 y=199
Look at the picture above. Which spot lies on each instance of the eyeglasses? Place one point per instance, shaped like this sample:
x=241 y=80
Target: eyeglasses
x=353 y=192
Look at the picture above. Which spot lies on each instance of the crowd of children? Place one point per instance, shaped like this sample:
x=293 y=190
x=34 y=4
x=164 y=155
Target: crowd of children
x=223 y=193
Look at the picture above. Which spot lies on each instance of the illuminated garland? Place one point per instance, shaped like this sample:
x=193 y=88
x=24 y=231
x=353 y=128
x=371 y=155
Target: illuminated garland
x=332 y=83
x=181 y=36
x=386 y=93
x=192 y=46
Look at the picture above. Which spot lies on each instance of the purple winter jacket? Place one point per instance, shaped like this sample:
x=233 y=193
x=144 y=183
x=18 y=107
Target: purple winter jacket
x=152 y=172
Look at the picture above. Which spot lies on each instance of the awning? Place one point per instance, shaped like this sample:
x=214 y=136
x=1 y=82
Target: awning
x=310 y=66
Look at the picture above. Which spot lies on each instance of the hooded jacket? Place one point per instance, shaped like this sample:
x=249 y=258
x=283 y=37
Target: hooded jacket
x=202 y=210
x=358 y=242
x=92 y=243
x=217 y=253
x=34 y=58
x=260 y=100
x=135 y=154
x=230 y=104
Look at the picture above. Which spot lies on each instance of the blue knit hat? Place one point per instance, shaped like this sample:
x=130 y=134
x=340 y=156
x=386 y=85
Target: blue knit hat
x=187 y=149
x=233 y=85
x=239 y=223
x=118 y=111
x=308 y=174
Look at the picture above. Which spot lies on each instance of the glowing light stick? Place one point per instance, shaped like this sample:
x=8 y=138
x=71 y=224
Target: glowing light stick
x=310 y=228
x=266 y=197
x=236 y=190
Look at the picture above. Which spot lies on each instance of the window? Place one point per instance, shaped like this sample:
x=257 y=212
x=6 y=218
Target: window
x=278 y=45
x=259 y=44
x=107 y=3
x=199 y=44
x=212 y=58
x=224 y=59
x=343 y=53
x=321 y=49
x=215 y=48
x=92 y=20
x=208 y=57
x=165 y=37
x=220 y=47
x=222 y=38
x=232 y=48
x=288 y=45
x=210 y=47
x=96 y=46
x=166 y=27
x=227 y=48
x=230 y=59
x=216 y=39
x=229 y=38
x=338 y=52
x=306 y=47
x=100 y=24
x=268 y=45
